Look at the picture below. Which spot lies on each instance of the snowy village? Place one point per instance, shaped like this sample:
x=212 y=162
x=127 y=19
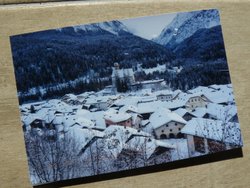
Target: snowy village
x=146 y=126
x=119 y=95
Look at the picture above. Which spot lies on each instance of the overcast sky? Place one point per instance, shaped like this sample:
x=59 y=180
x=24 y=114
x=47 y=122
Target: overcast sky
x=150 y=26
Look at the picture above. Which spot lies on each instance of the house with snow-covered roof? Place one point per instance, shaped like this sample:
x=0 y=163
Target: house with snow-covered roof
x=129 y=109
x=71 y=99
x=192 y=101
x=146 y=99
x=145 y=110
x=154 y=85
x=184 y=113
x=164 y=95
x=84 y=138
x=33 y=121
x=118 y=118
x=223 y=97
x=144 y=150
x=136 y=116
x=167 y=124
x=176 y=93
x=220 y=94
x=208 y=136
x=97 y=103
x=226 y=113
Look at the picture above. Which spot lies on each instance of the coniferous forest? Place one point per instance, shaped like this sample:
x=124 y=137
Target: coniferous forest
x=69 y=61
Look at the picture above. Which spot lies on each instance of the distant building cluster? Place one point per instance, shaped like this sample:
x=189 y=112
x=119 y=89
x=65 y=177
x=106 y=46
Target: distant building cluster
x=199 y=115
x=124 y=80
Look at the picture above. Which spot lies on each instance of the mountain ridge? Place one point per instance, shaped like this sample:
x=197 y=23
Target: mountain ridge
x=186 y=24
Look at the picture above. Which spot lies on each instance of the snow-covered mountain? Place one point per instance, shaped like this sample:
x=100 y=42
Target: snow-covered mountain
x=115 y=27
x=186 y=24
x=205 y=44
x=80 y=55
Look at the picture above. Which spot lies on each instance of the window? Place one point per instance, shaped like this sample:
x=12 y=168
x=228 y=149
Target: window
x=170 y=130
x=176 y=124
x=167 y=125
x=179 y=129
x=162 y=131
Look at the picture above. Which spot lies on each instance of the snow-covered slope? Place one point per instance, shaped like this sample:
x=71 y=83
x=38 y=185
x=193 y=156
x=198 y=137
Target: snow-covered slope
x=115 y=27
x=170 y=30
x=186 y=24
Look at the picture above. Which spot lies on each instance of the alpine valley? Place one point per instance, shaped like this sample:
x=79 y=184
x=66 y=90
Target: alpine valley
x=80 y=58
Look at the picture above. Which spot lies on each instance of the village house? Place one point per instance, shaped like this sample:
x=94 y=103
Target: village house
x=71 y=99
x=85 y=138
x=118 y=118
x=33 y=122
x=226 y=113
x=145 y=149
x=136 y=120
x=164 y=95
x=145 y=110
x=196 y=101
x=167 y=124
x=154 y=85
x=136 y=117
x=176 y=93
x=219 y=94
x=186 y=115
x=208 y=136
x=147 y=99
x=97 y=103
x=192 y=101
x=40 y=119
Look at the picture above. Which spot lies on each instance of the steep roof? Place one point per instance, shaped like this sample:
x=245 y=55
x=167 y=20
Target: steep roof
x=83 y=136
x=116 y=117
x=216 y=93
x=131 y=108
x=213 y=129
x=218 y=111
x=117 y=136
x=182 y=111
x=163 y=116
x=139 y=143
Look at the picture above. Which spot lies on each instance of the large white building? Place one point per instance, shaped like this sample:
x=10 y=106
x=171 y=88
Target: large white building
x=123 y=75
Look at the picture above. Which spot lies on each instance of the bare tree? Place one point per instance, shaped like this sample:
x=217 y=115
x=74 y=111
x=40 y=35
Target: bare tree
x=52 y=157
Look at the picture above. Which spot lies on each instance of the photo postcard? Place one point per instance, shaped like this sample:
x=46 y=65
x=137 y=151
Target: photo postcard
x=124 y=94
